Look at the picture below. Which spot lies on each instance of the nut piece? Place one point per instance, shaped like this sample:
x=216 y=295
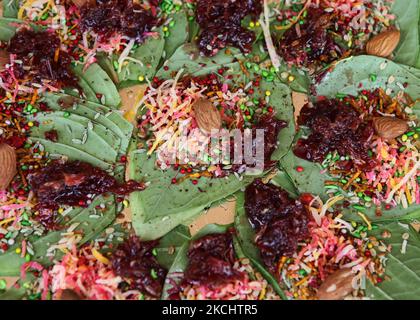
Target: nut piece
x=7 y=165
x=389 y=127
x=384 y=43
x=337 y=286
x=206 y=115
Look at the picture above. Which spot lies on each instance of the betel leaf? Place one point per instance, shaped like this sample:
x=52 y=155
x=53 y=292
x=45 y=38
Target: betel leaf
x=188 y=58
x=8 y=28
x=353 y=74
x=246 y=238
x=170 y=245
x=143 y=60
x=10 y=8
x=178 y=33
x=408 y=20
x=90 y=222
x=74 y=131
x=402 y=268
x=111 y=119
x=100 y=83
x=180 y=262
x=281 y=101
x=164 y=205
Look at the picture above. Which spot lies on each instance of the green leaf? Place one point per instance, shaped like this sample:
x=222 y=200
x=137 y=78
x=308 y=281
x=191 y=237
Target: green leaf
x=408 y=19
x=148 y=56
x=281 y=101
x=402 y=268
x=178 y=34
x=112 y=120
x=246 y=238
x=100 y=83
x=349 y=73
x=72 y=129
x=8 y=28
x=164 y=205
x=99 y=142
x=10 y=8
x=170 y=245
x=180 y=262
x=89 y=226
x=188 y=57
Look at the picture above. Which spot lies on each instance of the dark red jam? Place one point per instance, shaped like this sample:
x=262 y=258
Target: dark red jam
x=211 y=260
x=40 y=51
x=220 y=23
x=124 y=17
x=74 y=184
x=134 y=260
x=313 y=43
x=335 y=126
x=51 y=135
x=279 y=221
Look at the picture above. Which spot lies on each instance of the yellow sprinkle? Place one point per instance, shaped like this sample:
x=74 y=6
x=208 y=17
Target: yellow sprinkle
x=99 y=256
x=291 y=78
x=125 y=203
x=60 y=210
x=415 y=136
x=18 y=250
x=5 y=221
x=268 y=93
x=30 y=124
x=165 y=28
x=295 y=295
x=257 y=23
x=379 y=186
x=141 y=78
x=370 y=246
x=252 y=24
x=262 y=294
x=365 y=219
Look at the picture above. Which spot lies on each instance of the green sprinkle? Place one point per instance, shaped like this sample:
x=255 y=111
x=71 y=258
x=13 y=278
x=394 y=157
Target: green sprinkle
x=344 y=181
x=340 y=95
x=115 y=63
x=154 y=252
x=153 y=273
x=302 y=272
x=373 y=77
x=27 y=257
x=360 y=194
x=256 y=68
x=248 y=65
x=417 y=129
x=141 y=296
x=29 y=107
x=367 y=198
x=243 y=107
x=265 y=73
x=358 y=207
x=402 y=149
x=172 y=23
x=3 y=284
x=66 y=114
x=410 y=133
x=331 y=187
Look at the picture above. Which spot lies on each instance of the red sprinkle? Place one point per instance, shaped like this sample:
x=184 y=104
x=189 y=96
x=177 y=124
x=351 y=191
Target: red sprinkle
x=299 y=169
x=123 y=159
x=173 y=180
x=194 y=182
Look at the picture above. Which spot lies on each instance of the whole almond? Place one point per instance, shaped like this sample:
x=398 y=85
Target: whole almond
x=206 y=115
x=383 y=44
x=389 y=127
x=7 y=165
x=336 y=286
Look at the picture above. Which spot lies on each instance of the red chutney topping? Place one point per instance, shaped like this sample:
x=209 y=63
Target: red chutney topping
x=313 y=43
x=135 y=261
x=280 y=222
x=41 y=52
x=220 y=23
x=335 y=126
x=211 y=260
x=124 y=17
x=73 y=183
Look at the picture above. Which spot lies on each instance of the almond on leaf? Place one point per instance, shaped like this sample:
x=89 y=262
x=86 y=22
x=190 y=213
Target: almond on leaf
x=383 y=44
x=389 y=127
x=207 y=116
x=336 y=286
x=7 y=165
